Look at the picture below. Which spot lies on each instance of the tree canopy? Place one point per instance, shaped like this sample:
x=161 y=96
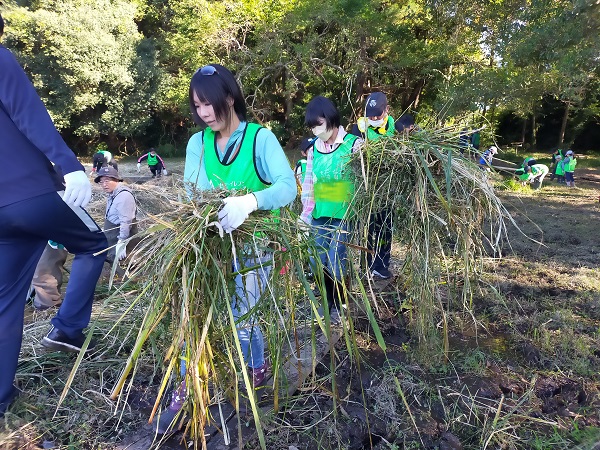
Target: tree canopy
x=118 y=70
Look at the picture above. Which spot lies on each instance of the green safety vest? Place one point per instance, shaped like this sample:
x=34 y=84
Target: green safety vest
x=152 y=160
x=522 y=175
x=333 y=188
x=241 y=172
x=302 y=164
x=570 y=164
x=373 y=134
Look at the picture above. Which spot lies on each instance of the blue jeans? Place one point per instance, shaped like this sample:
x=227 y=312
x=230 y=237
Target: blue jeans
x=330 y=242
x=25 y=228
x=249 y=288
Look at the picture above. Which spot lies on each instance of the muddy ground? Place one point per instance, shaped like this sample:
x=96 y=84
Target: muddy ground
x=523 y=372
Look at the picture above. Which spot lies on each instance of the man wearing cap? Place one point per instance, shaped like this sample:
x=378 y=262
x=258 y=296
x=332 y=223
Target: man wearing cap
x=378 y=124
x=39 y=202
x=119 y=220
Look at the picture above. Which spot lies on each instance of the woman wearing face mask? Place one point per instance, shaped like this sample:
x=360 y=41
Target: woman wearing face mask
x=326 y=193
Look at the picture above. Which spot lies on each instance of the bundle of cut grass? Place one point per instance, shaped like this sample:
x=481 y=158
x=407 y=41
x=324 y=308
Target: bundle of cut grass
x=446 y=216
x=187 y=268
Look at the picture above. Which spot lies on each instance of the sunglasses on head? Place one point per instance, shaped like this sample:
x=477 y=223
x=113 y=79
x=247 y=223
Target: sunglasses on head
x=207 y=70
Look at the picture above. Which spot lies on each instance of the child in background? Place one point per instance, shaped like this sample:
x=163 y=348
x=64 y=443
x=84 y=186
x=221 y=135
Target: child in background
x=557 y=156
x=300 y=169
x=569 y=164
x=559 y=171
x=485 y=161
x=529 y=161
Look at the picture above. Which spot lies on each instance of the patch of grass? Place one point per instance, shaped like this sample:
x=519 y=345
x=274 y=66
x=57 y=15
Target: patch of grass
x=512 y=185
x=473 y=361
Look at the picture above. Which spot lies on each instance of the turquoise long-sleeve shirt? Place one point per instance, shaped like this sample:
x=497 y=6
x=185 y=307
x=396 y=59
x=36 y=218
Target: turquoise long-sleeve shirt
x=271 y=163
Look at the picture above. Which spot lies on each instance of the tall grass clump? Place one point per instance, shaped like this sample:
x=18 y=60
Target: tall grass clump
x=183 y=277
x=446 y=216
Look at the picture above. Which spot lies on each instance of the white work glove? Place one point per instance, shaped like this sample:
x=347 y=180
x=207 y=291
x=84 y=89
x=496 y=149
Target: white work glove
x=138 y=167
x=303 y=229
x=235 y=210
x=121 y=250
x=78 y=190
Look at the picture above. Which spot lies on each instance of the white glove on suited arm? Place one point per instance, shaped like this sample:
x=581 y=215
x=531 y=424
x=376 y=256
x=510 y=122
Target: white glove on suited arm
x=138 y=167
x=235 y=210
x=78 y=190
x=121 y=250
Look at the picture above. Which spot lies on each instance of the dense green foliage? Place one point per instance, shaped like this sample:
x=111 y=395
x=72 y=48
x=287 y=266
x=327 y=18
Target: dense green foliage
x=118 y=70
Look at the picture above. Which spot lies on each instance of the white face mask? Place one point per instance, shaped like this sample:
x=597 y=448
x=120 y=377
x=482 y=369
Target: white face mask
x=377 y=123
x=322 y=132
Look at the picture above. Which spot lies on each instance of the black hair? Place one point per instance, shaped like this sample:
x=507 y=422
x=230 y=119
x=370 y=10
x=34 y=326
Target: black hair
x=216 y=89
x=1 y=25
x=321 y=108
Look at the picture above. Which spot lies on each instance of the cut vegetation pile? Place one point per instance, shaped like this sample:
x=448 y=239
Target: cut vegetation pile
x=453 y=381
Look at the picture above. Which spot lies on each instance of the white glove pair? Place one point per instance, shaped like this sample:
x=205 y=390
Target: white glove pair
x=121 y=250
x=138 y=167
x=78 y=190
x=235 y=210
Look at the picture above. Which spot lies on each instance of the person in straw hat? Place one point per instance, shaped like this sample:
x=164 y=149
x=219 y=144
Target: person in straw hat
x=119 y=220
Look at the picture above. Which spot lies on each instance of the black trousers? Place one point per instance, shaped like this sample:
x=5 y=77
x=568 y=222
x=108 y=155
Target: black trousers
x=380 y=240
x=156 y=169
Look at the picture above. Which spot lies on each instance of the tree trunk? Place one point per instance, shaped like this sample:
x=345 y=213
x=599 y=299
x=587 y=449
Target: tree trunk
x=289 y=104
x=523 y=130
x=563 y=126
x=361 y=79
x=533 y=129
x=492 y=110
x=415 y=94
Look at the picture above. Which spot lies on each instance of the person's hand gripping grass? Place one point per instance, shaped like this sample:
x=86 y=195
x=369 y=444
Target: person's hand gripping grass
x=236 y=210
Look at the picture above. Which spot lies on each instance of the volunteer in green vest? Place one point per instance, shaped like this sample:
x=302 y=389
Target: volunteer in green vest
x=155 y=163
x=300 y=169
x=557 y=157
x=528 y=161
x=533 y=174
x=326 y=194
x=568 y=164
x=232 y=153
x=378 y=124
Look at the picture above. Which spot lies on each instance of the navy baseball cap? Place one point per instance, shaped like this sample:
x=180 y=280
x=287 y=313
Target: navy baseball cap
x=376 y=104
x=306 y=143
x=110 y=172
